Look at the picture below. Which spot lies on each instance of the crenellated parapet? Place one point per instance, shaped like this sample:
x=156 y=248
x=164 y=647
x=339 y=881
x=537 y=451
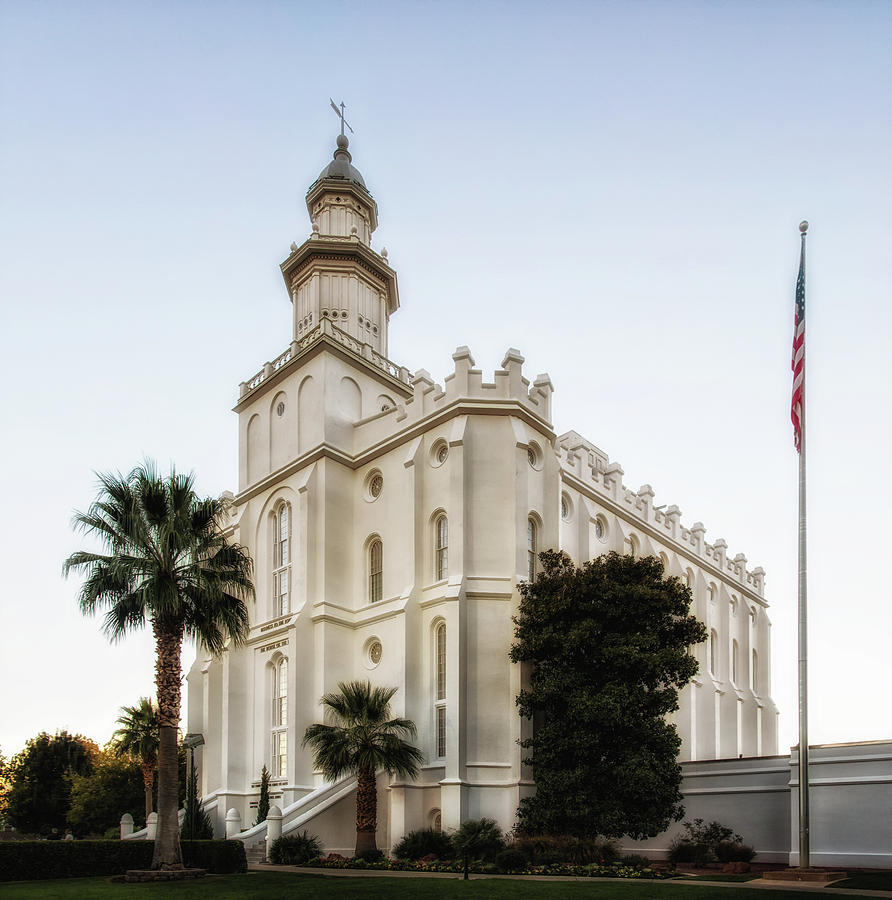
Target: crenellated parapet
x=591 y=466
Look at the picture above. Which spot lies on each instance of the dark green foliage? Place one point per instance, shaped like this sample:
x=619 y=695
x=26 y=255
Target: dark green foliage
x=263 y=802
x=39 y=790
x=511 y=860
x=196 y=822
x=704 y=843
x=370 y=854
x=98 y=800
x=424 y=842
x=39 y=860
x=546 y=849
x=479 y=839
x=731 y=851
x=636 y=860
x=295 y=849
x=607 y=644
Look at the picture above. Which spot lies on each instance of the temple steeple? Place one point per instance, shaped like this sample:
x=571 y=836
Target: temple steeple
x=335 y=274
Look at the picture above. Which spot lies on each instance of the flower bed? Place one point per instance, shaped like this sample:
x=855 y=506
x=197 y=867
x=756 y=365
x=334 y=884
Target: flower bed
x=592 y=870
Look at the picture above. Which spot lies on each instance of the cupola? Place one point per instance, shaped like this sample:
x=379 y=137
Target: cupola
x=335 y=275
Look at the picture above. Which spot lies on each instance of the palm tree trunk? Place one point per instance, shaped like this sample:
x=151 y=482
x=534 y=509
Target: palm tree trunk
x=148 y=780
x=168 y=643
x=366 y=810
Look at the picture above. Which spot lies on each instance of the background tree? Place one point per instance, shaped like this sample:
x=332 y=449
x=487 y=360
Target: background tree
x=361 y=739
x=263 y=802
x=138 y=738
x=608 y=643
x=100 y=798
x=4 y=789
x=197 y=823
x=167 y=563
x=39 y=789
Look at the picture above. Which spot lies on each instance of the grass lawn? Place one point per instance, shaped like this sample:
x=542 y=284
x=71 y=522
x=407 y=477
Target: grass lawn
x=276 y=885
x=868 y=881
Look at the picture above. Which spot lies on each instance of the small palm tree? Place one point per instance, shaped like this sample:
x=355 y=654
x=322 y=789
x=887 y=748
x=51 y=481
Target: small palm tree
x=138 y=737
x=362 y=739
x=167 y=564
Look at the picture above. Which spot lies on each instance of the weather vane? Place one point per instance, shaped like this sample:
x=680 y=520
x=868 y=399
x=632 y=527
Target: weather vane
x=340 y=114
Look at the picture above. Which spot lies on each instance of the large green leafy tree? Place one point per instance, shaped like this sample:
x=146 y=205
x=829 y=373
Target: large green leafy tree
x=39 y=793
x=138 y=738
x=359 y=739
x=608 y=643
x=98 y=800
x=165 y=563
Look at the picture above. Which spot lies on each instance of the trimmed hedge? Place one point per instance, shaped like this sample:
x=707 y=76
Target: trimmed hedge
x=38 y=860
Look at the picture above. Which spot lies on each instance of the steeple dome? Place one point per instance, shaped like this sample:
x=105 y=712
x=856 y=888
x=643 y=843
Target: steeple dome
x=338 y=201
x=341 y=165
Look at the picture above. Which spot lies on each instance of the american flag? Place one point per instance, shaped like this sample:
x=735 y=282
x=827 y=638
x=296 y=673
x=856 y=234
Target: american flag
x=796 y=408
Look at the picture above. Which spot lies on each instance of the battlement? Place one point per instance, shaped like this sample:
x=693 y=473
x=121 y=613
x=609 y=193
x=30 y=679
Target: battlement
x=464 y=383
x=590 y=465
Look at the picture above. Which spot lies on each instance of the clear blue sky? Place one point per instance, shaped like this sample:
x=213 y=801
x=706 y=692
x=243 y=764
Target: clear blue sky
x=614 y=188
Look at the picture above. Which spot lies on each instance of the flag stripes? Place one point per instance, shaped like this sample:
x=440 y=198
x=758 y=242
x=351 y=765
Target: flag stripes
x=796 y=409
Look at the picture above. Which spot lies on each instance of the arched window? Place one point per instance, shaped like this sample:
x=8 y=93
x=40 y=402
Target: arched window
x=441 y=548
x=734 y=662
x=532 y=548
x=436 y=819
x=440 y=687
x=634 y=548
x=282 y=560
x=713 y=653
x=376 y=553
x=280 y=718
x=754 y=668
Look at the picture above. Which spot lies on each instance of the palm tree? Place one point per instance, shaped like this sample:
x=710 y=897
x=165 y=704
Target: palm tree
x=362 y=739
x=168 y=564
x=138 y=736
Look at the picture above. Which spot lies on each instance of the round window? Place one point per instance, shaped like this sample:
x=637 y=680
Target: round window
x=280 y=409
x=439 y=453
x=566 y=507
x=374 y=652
x=600 y=529
x=376 y=485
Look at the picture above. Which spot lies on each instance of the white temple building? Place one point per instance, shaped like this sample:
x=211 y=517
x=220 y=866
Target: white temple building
x=390 y=519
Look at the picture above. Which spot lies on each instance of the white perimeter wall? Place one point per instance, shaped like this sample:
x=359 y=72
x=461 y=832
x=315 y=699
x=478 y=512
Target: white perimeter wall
x=850 y=800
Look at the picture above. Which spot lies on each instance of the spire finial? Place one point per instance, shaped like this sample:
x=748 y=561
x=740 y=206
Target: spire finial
x=340 y=115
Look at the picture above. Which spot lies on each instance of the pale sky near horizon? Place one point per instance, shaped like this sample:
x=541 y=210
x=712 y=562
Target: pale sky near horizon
x=613 y=188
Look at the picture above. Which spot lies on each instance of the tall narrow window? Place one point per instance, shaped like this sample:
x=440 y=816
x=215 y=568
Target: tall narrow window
x=280 y=718
x=440 y=693
x=713 y=653
x=375 y=569
x=282 y=560
x=754 y=668
x=441 y=548
x=734 y=662
x=532 y=542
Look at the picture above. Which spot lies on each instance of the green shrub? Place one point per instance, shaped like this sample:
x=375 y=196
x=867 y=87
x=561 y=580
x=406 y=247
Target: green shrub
x=700 y=844
x=636 y=861
x=38 y=860
x=547 y=849
x=511 y=860
x=295 y=849
x=424 y=842
x=731 y=851
x=479 y=839
x=370 y=855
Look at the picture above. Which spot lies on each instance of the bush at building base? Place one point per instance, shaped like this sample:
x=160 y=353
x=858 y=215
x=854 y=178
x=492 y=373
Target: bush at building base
x=39 y=860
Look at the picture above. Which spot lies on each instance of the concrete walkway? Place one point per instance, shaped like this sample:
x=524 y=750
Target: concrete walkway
x=757 y=884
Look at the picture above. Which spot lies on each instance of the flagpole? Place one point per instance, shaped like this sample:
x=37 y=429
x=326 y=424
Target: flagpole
x=804 y=861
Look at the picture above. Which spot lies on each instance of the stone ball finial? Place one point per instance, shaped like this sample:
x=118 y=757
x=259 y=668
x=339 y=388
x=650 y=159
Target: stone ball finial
x=803 y=226
x=343 y=143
